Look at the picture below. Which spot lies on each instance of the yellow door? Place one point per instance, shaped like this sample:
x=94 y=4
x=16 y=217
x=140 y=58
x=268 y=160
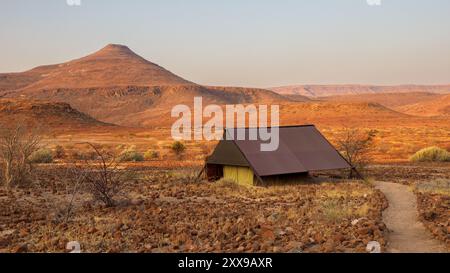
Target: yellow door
x=240 y=175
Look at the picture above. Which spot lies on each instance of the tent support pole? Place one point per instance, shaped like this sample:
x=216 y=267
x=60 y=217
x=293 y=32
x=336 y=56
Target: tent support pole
x=200 y=173
x=260 y=180
x=359 y=175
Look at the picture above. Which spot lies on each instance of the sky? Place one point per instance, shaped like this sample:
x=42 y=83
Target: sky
x=258 y=43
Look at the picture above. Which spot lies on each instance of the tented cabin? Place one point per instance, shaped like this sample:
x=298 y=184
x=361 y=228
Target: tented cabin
x=302 y=149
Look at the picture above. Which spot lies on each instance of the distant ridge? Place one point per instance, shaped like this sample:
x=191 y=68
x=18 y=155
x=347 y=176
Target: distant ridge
x=438 y=107
x=390 y=100
x=315 y=91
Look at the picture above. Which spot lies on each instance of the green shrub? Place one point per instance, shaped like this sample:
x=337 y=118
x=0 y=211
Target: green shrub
x=41 y=156
x=178 y=148
x=131 y=156
x=431 y=154
x=149 y=155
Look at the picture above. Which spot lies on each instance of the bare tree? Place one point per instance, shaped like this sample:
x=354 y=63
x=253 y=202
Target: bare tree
x=16 y=146
x=103 y=178
x=354 y=144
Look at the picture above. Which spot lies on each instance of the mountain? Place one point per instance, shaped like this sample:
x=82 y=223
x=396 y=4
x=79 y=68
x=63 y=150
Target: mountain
x=315 y=91
x=49 y=114
x=437 y=107
x=116 y=85
x=114 y=65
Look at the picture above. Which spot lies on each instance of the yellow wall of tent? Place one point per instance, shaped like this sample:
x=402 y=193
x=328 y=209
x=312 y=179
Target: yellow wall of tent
x=240 y=175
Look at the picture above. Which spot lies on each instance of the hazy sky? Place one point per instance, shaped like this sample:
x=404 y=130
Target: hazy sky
x=241 y=42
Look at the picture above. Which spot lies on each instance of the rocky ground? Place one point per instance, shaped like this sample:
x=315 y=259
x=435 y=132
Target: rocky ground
x=164 y=211
x=409 y=173
x=433 y=200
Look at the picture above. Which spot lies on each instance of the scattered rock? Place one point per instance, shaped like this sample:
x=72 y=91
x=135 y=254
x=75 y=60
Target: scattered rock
x=295 y=247
x=227 y=223
x=267 y=234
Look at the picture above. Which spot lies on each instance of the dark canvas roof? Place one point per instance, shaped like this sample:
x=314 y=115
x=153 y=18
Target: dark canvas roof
x=227 y=153
x=301 y=149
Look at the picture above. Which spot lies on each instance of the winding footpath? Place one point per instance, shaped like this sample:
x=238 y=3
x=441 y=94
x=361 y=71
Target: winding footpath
x=407 y=233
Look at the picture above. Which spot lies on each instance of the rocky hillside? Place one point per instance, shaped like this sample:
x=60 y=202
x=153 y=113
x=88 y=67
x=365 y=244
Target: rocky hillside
x=48 y=114
x=437 y=107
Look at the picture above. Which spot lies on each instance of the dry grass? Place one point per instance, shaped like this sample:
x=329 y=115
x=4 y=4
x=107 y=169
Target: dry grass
x=333 y=210
x=342 y=193
x=185 y=175
x=228 y=185
x=439 y=186
x=431 y=154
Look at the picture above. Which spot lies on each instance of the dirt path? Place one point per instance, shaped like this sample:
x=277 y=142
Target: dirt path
x=407 y=233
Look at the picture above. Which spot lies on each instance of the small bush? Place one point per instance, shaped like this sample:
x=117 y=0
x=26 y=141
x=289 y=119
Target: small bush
x=59 y=152
x=131 y=156
x=41 y=156
x=431 y=154
x=178 y=148
x=149 y=155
